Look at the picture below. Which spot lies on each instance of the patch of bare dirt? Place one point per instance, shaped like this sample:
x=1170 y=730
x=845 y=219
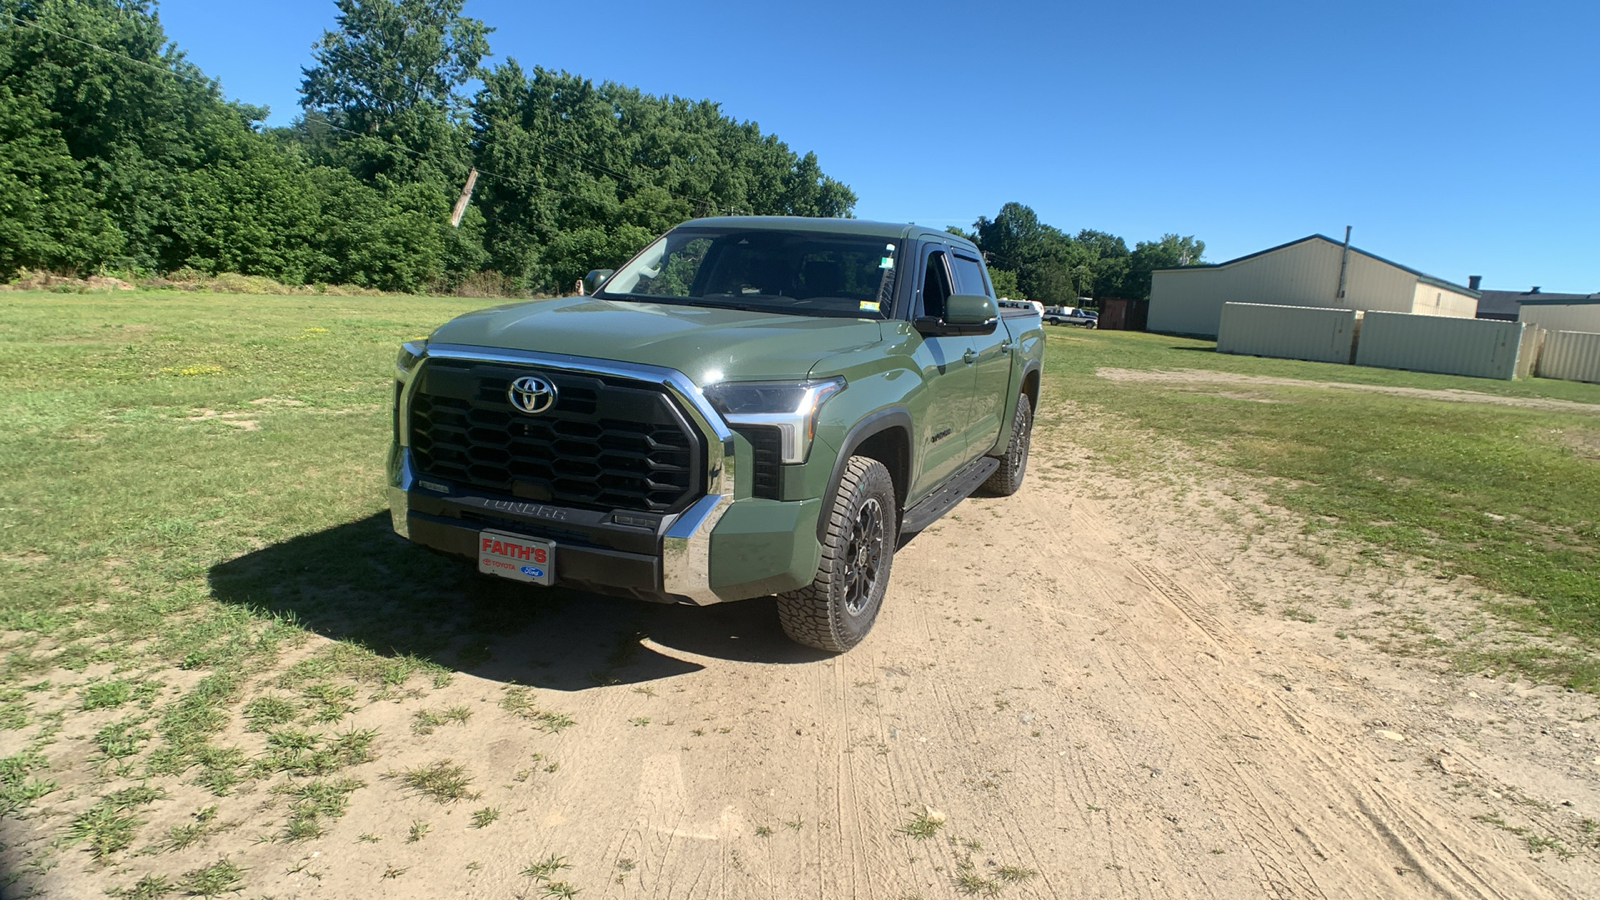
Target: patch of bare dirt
x=1200 y=376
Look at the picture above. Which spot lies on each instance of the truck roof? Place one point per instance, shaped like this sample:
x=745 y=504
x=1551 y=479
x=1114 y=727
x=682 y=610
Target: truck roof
x=863 y=227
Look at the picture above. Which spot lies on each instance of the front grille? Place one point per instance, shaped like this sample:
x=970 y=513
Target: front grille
x=608 y=443
x=766 y=451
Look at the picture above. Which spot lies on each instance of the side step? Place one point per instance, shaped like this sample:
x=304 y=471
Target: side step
x=945 y=497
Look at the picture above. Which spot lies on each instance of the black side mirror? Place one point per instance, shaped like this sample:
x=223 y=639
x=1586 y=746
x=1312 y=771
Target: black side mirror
x=595 y=278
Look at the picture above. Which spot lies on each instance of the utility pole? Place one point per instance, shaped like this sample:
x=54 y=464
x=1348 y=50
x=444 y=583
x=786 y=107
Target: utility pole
x=460 y=209
x=1344 y=260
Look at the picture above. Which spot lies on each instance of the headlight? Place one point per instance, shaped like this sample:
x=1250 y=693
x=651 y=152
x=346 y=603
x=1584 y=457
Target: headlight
x=411 y=353
x=789 y=406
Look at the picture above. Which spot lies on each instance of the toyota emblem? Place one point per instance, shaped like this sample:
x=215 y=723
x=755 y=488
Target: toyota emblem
x=531 y=394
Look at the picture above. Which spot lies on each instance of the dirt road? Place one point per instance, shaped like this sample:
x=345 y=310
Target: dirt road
x=1090 y=689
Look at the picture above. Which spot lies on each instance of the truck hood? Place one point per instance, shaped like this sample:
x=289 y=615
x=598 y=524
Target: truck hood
x=706 y=344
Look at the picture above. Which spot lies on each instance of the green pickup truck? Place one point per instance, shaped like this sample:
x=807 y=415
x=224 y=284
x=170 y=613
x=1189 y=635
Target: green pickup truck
x=751 y=406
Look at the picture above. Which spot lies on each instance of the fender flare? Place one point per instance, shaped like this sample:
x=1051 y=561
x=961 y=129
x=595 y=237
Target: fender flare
x=869 y=427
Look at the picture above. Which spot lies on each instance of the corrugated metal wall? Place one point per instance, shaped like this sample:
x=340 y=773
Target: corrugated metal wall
x=1287 y=332
x=1189 y=301
x=1561 y=316
x=1476 y=347
x=1571 y=356
x=1306 y=273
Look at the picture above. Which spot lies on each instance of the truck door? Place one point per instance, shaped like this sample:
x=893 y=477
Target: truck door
x=942 y=406
x=991 y=362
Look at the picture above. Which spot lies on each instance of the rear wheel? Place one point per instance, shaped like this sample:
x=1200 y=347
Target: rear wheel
x=838 y=608
x=1008 y=478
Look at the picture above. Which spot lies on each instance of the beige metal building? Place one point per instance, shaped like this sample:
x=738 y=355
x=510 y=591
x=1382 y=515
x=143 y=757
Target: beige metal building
x=1307 y=272
x=1565 y=313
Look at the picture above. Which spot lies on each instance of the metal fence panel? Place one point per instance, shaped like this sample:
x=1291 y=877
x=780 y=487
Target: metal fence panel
x=1476 y=347
x=1287 y=332
x=1571 y=356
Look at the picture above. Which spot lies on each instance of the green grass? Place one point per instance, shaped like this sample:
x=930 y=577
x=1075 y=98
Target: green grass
x=1506 y=495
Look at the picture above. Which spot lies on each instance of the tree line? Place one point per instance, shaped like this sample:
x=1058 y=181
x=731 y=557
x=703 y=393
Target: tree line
x=1031 y=260
x=117 y=154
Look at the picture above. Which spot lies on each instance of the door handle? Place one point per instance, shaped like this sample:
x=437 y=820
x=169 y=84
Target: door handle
x=969 y=357
x=1005 y=347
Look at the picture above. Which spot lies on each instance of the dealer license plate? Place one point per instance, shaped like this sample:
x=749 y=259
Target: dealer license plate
x=517 y=557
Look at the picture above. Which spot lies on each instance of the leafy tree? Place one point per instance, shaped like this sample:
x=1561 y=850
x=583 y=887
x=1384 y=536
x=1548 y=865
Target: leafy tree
x=1148 y=256
x=1005 y=284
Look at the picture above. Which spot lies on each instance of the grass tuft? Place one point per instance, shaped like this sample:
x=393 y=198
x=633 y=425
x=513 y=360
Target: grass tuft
x=442 y=780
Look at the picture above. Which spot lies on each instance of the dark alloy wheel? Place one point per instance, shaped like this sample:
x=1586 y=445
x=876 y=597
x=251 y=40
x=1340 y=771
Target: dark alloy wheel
x=1007 y=479
x=838 y=608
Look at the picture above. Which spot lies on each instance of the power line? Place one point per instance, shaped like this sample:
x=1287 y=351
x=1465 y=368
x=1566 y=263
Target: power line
x=29 y=23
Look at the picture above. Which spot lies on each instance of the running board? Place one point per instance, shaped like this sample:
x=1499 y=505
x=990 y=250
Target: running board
x=945 y=497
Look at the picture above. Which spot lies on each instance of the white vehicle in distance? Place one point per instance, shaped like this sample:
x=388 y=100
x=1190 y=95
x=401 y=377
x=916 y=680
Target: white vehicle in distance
x=1071 y=315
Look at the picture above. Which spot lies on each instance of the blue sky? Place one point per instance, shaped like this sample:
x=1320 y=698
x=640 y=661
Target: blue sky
x=1458 y=138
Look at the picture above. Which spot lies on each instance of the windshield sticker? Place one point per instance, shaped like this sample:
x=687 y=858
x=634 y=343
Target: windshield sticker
x=869 y=306
x=886 y=263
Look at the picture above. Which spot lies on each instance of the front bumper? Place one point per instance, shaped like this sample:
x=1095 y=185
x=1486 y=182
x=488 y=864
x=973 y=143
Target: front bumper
x=726 y=546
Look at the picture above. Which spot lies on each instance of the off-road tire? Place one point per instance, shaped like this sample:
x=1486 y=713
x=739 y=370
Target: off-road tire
x=838 y=608
x=1008 y=478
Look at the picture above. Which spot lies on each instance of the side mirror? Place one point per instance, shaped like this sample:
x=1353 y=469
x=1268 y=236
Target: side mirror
x=963 y=314
x=595 y=278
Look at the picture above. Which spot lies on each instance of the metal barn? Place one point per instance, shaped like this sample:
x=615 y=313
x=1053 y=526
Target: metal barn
x=1313 y=271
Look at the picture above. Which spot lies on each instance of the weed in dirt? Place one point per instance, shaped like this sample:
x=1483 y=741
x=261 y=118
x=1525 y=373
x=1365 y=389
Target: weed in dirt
x=971 y=882
x=122 y=738
x=763 y=831
x=1015 y=874
x=639 y=721
x=263 y=713
x=544 y=868
x=646 y=690
x=221 y=877
x=326 y=702
x=419 y=830
x=115 y=692
x=17 y=790
x=483 y=818
x=560 y=889
x=108 y=825
x=150 y=887
x=314 y=800
x=425 y=721
x=298 y=752
x=181 y=837
x=219 y=768
x=924 y=824
x=442 y=780
x=1538 y=845
x=392 y=872
x=519 y=702
x=796 y=824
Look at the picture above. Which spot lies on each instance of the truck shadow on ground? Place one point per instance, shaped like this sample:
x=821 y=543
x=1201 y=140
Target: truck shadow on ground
x=360 y=583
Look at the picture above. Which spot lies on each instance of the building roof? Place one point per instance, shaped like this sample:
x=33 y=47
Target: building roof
x=1506 y=303
x=1421 y=276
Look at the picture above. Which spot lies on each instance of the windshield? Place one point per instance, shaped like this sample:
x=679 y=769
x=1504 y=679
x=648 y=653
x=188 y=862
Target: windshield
x=792 y=272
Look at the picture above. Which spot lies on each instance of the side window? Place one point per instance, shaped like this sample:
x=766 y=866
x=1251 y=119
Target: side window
x=969 y=276
x=935 y=285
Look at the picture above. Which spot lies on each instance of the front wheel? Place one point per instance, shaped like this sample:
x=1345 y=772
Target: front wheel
x=1008 y=478
x=837 y=609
